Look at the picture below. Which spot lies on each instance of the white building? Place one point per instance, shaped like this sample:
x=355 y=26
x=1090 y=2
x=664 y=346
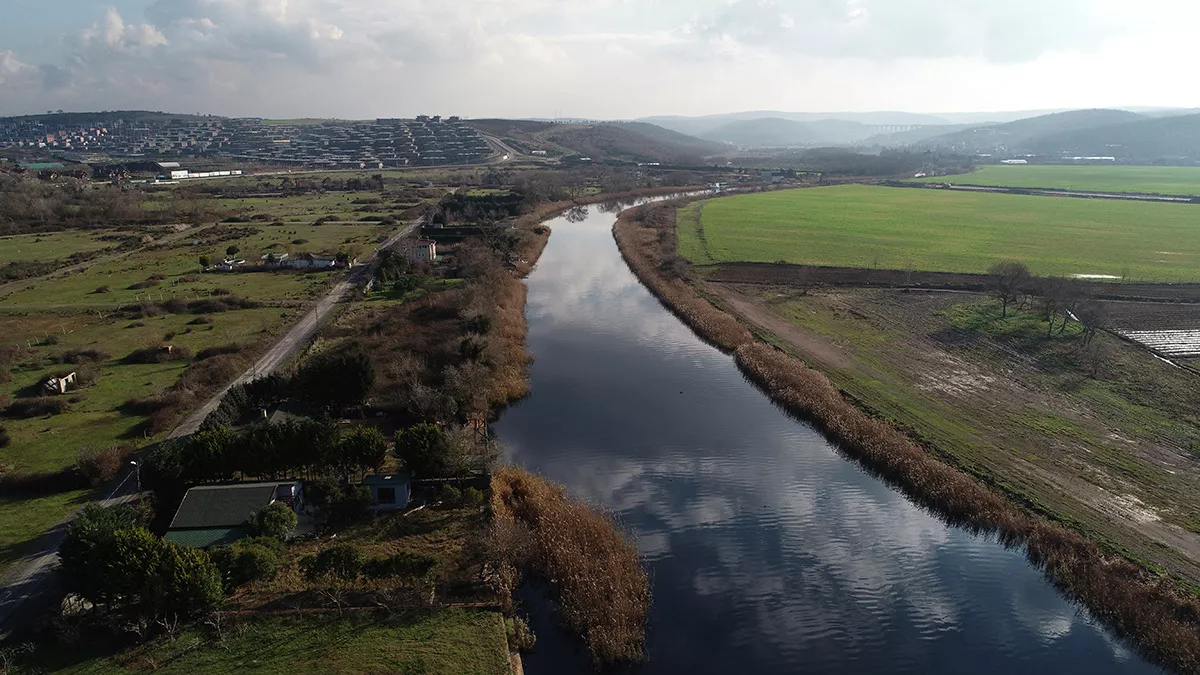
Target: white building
x=421 y=250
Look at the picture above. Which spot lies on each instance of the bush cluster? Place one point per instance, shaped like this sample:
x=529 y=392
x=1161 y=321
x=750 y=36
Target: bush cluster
x=26 y=408
x=347 y=562
x=254 y=559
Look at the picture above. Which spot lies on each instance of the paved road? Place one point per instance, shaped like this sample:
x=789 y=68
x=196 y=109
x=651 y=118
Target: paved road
x=33 y=576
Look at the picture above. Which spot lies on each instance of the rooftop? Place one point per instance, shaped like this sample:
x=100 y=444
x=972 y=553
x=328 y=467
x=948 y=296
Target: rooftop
x=223 y=506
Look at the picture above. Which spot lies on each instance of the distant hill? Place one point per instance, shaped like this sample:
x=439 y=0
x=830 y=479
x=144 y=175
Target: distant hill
x=771 y=132
x=702 y=126
x=1023 y=135
x=625 y=141
x=1143 y=140
x=631 y=142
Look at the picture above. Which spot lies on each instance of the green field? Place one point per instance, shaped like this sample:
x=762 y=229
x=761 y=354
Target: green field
x=1167 y=180
x=179 y=262
x=52 y=246
x=445 y=642
x=934 y=230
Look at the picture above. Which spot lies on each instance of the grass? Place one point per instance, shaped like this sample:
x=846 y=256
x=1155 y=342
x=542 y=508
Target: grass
x=179 y=262
x=51 y=246
x=930 y=230
x=1168 y=180
x=448 y=641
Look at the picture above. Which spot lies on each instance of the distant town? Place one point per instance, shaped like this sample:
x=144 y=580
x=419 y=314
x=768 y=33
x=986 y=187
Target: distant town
x=425 y=140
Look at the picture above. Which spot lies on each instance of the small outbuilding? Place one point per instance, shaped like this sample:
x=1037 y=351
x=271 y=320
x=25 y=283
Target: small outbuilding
x=389 y=492
x=59 y=385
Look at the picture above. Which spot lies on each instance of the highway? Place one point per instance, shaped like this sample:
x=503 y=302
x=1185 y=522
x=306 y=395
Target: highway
x=33 y=576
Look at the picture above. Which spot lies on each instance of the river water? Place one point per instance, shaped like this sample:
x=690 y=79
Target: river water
x=767 y=551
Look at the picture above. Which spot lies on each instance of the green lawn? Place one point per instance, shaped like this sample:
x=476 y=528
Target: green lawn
x=446 y=642
x=932 y=230
x=1171 y=180
x=51 y=246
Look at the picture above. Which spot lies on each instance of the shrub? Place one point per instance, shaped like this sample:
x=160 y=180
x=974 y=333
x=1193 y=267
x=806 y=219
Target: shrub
x=450 y=495
x=201 y=321
x=246 y=561
x=340 y=502
x=405 y=565
x=100 y=466
x=276 y=521
x=472 y=498
x=25 y=408
x=82 y=356
x=50 y=340
x=161 y=354
x=520 y=635
x=5 y=439
x=479 y=324
x=143 y=285
x=103 y=289
x=341 y=561
x=210 y=352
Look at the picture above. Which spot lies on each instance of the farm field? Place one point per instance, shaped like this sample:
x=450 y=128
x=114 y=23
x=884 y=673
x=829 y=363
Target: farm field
x=443 y=642
x=1167 y=180
x=938 y=231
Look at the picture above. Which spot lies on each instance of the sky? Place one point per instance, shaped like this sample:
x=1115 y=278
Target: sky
x=599 y=59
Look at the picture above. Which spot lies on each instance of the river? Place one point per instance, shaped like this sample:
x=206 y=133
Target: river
x=768 y=552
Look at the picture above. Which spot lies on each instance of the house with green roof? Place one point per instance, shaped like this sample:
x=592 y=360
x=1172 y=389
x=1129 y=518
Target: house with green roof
x=217 y=515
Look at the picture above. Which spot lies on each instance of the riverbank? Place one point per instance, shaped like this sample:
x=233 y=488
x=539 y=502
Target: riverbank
x=1158 y=615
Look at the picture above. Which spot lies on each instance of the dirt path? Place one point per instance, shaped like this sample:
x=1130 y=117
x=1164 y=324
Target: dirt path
x=32 y=577
x=763 y=319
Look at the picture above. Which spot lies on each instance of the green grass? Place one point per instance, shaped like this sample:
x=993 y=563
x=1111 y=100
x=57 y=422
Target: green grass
x=449 y=642
x=23 y=520
x=931 y=230
x=179 y=261
x=52 y=246
x=1170 y=180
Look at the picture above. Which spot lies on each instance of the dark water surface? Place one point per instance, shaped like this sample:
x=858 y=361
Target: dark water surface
x=768 y=552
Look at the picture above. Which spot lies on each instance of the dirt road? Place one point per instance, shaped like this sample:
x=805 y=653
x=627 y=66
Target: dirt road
x=33 y=576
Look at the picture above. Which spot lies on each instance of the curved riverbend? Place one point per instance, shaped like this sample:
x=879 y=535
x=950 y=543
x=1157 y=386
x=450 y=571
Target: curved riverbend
x=767 y=551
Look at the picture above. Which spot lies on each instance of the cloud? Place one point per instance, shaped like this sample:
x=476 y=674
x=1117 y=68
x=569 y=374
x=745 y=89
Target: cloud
x=1013 y=30
x=591 y=58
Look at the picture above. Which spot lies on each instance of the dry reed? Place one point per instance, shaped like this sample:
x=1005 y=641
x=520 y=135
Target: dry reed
x=602 y=590
x=1154 y=612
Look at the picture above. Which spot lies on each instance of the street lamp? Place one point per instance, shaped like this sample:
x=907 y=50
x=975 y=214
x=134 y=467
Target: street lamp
x=137 y=473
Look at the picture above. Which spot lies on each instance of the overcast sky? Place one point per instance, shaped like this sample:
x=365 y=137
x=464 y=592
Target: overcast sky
x=593 y=58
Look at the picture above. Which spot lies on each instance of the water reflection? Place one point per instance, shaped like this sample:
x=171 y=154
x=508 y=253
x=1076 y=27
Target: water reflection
x=768 y=552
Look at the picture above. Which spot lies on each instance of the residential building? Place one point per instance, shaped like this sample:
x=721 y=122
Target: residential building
x=421 y=250
x=217 y=515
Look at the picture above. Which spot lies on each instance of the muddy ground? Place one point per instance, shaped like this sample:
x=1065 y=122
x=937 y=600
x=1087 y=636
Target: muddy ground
x=1102 y=435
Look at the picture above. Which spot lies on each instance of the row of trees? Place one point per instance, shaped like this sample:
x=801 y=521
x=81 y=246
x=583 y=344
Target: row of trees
x=296 y=448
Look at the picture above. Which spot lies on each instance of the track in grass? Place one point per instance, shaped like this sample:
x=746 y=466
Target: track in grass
x=940 y=231
x=1166 y=180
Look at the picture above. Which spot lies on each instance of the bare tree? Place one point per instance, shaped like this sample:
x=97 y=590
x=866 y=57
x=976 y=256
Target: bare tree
x=1011 y=278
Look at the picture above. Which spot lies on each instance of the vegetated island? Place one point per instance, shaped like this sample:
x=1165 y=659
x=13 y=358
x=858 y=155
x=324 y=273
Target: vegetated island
x=907 y=383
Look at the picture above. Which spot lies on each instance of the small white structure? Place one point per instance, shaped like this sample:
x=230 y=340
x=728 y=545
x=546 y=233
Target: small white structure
x=177 y=174
x=230 y=265
x=306 y=262
x=388 y=493
x=274 y=259
x=59 y=385
x=421 y=250
x=538 y=153
x=1014 y=161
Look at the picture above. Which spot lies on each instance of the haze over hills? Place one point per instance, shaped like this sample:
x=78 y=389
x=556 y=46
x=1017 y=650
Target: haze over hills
x=1021 y=134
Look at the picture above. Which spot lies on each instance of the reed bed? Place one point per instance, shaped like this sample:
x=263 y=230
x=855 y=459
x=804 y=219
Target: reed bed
x=1153 y=612
x=591 y=564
